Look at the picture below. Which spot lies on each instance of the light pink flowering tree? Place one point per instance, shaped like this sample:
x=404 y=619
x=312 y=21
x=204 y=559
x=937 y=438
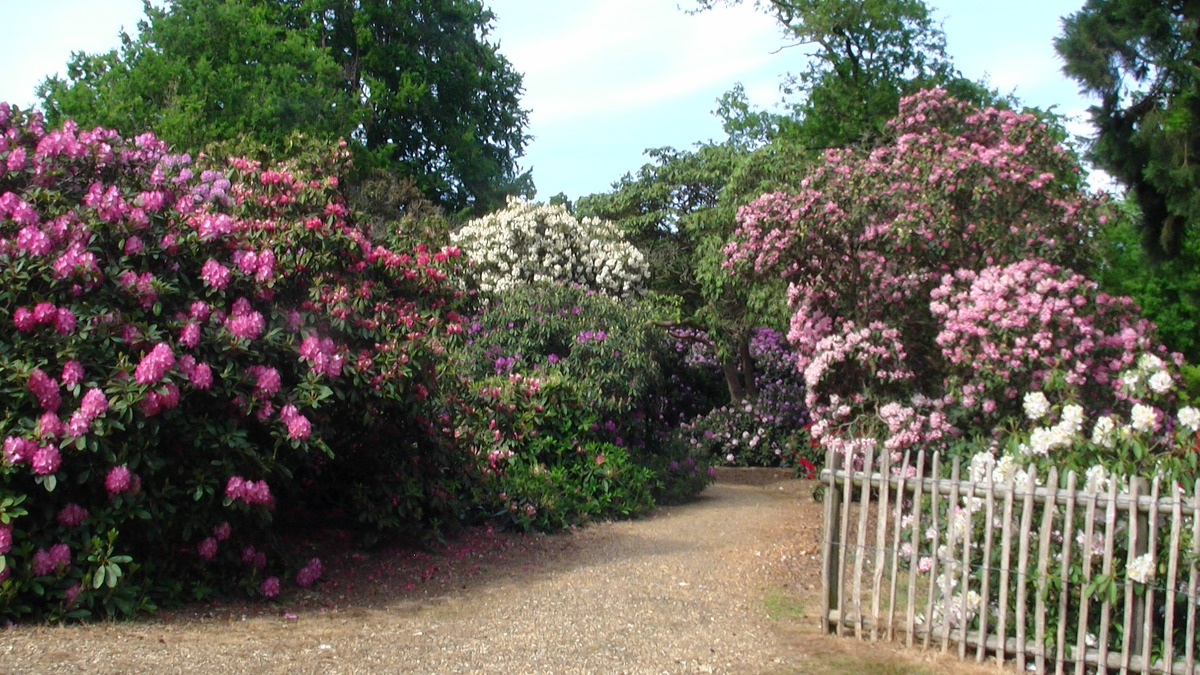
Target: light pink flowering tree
x=955 y=192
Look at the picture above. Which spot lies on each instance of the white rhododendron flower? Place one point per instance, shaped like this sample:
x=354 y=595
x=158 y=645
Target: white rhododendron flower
x=1189 y=417
x=1141 y=570
x=1160 y=382
x=1036 y=406
x=528 y=242
x=1105 y=432
x=1143 y=418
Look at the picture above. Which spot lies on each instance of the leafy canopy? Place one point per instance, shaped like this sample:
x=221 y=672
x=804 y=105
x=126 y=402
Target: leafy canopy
x=414 y=87
x=1140 y=58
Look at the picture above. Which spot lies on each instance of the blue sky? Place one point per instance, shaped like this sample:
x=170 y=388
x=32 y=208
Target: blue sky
x=607 y=79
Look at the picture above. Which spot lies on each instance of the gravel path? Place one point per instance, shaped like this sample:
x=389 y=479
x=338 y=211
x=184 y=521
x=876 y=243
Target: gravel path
x=698 y=588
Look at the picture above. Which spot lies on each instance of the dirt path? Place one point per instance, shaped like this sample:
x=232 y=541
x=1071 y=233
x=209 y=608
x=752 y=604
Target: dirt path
x=727 y=584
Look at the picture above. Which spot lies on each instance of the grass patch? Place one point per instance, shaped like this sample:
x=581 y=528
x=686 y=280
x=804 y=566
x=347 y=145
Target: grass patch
x=861 y=666
x=780 y=605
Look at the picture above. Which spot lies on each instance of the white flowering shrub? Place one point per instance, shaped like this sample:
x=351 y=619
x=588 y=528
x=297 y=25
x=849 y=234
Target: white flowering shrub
x=530 y=242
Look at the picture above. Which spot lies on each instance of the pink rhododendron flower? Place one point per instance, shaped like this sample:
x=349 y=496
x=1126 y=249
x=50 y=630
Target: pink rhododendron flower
x=248 y=491
x=118 y=480
x=309 y=574
x=270 y=587
x=49 y=426
x=44 y=312
x=154 y=364
x=199 y=310
x=5 y=537
x=71 y=515
x=46 y=460
x=72 y=373
x=207 y=548
x=45 y=388
x=189 y=335
x=64 y=321
x=201 y=376
x=215 y=274
x=72 y=594
x=23 y=320
x=134 y=245
x=33 y=240
x=47 y=562
x=266 y=379
x=254 y=558
x=221 y=532
x=18 y=450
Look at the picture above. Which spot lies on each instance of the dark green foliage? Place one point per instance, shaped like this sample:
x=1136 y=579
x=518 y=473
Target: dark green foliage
x=415 y=87
x=1140 y=58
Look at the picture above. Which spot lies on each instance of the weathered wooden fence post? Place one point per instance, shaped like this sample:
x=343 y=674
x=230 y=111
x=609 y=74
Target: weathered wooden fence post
x=1139 y=544
x=831 y=567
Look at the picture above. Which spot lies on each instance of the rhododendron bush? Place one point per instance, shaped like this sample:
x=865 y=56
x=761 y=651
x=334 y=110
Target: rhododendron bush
x=934 y=277
x=197 y=353
x=561 y=395
x=528 y=242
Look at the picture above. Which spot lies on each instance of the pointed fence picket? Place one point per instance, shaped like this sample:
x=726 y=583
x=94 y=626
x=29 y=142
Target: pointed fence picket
x=1014 y=583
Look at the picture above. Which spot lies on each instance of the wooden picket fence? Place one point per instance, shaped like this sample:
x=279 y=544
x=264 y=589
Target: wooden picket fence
x=1022 y=568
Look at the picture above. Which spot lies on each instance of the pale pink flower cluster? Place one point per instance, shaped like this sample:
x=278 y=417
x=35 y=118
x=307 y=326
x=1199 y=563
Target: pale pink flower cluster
x=266 y=380
x=248 y=491
x=142 y=286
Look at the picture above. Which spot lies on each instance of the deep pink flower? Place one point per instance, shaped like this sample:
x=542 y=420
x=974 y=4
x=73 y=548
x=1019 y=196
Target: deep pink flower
x=23 y=320
x=207 y=548
x=72 y=594
x=5 y=537
x=17 y=160
x=118 y=480
x=266 y=379
x=45 y=388
x=221 y=532
x=18 y=450
x=199 y=310
x=309 y=574
x=47 y=562
x=134 y=245
x=154 y=364
x=49 y=426
x=94 y=403
x=189 y=336
x=215 y=274
x=34 y=240
x=201 y=376
x=71 y=515
x=44 y=312
x=270 y=587
x=72 y=373
x=64 y=321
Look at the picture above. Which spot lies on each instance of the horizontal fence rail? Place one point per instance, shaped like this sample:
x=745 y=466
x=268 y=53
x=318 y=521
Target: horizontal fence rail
x=1064 y=576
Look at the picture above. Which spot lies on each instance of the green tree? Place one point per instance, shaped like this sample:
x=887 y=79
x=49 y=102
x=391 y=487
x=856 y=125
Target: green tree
x=415 y=87
x=864 y=56
x=1141 y=59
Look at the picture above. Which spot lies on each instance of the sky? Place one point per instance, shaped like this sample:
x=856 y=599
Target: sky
x=605 y=80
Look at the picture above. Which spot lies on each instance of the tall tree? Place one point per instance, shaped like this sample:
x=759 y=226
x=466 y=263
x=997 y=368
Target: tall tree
x=1141 y=58
x=864 y=55
x=415 y=87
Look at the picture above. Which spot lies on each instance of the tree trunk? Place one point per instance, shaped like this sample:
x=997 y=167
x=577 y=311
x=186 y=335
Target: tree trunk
x=733 y=380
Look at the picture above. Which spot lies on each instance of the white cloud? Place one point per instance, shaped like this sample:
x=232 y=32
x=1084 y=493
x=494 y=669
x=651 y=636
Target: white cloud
x=622 y=54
